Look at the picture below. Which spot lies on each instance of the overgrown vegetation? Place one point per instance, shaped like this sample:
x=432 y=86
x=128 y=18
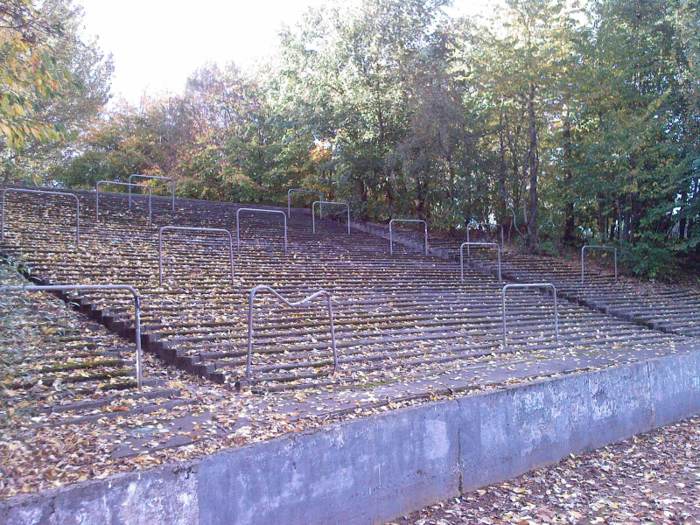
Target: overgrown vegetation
x=566 y=122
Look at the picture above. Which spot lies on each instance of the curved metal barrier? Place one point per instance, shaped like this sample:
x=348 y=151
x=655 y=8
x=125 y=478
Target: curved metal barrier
x=172 y=181
x=470 y=244
x=532 y=285
x=495 y=224
x=591 y=247
x=320 y=209
x=185 y=228
x=22 y=190
x=289 y=202
x=311 y=297
x=97 y=196
x=391 y=234
x=258 y=210
x=96 y=287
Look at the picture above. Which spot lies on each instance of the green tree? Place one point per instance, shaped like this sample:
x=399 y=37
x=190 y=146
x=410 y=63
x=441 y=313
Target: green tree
x=637 y=132
x=237 y=153
x=111 y=148
x=151 y=140
x=439 y=154
x=29 y=73
x=518 y=67
x=78 y=102
x=349 y=75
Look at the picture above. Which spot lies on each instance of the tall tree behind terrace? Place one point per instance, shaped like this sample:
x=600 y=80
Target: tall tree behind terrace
x=69 y=87
x=349 y=75
x=636 y=139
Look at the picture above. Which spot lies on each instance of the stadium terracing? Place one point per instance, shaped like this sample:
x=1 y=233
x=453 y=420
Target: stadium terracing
x=387 y=326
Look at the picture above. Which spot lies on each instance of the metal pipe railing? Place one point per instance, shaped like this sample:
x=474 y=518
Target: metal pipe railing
x=289 y=201
x=185 y=228
x=532 y=285
x=469 y=245
x=489 y=224
x=172 y=181
x=22 y=190
x=391 y=235
x=97 y=196
x=97 y=287
x=311 y=297
x=591 y=247
x=320 y=208
x=258 y=210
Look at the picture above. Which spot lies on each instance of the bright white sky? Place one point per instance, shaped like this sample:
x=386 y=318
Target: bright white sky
x=157 y=44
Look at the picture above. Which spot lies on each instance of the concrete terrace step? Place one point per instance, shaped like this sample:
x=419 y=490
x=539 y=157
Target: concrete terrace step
x=389 y=309
x=658 y=306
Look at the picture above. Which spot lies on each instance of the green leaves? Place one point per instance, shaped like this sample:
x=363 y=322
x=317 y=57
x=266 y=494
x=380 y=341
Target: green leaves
x=52 y=83
x=28 y=73
x=554 y=120
x=636 y=126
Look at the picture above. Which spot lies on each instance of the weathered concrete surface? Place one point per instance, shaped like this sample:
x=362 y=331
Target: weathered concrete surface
x=519 y=428
x=675 y=390
x=162 y=496
x=360 y=472
x=372 y=469
x=383 y=231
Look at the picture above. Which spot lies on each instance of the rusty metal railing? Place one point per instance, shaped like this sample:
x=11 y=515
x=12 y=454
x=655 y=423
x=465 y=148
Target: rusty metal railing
x=311 y=297
x=532 y=285
x=97 y=196
x=391 y=234
x=469 y=245
x=172 y=181
x=320 y=209
x=22 y=190
x=592 y=247
x=97 y=287
x=185 y=228
x=258 y=210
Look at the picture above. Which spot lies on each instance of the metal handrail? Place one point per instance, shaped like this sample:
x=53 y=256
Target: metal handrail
x=259 y=210
x=185 y=228
x=289 y=202
x=532 y=285
x=311 y=297
x=172 y=181
x=470 y=244
x=320 y=208
x=22 y=190
x=591 y=247
x=391 y=235
x=97 y=196
x=97 y=287
x=485 y=224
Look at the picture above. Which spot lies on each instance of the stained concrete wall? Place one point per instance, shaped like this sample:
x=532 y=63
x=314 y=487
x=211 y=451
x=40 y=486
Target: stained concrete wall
x=373 y=469
x=159 y=496
x=352 y=473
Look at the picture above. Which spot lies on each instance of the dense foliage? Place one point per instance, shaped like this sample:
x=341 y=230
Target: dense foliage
x=52 y=82
x=27 y=71
x=565 y=122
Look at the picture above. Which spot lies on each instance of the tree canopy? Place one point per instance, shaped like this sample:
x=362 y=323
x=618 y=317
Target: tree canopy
x=28 y=72
x=566 y=122
x=52 y=83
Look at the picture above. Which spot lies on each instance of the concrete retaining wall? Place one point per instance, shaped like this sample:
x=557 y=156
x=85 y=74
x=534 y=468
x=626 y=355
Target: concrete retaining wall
x=373 y=469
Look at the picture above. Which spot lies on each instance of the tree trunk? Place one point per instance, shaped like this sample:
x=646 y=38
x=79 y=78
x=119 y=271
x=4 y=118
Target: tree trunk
x=502 y=202
x=570 y=222
x=533 y=169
